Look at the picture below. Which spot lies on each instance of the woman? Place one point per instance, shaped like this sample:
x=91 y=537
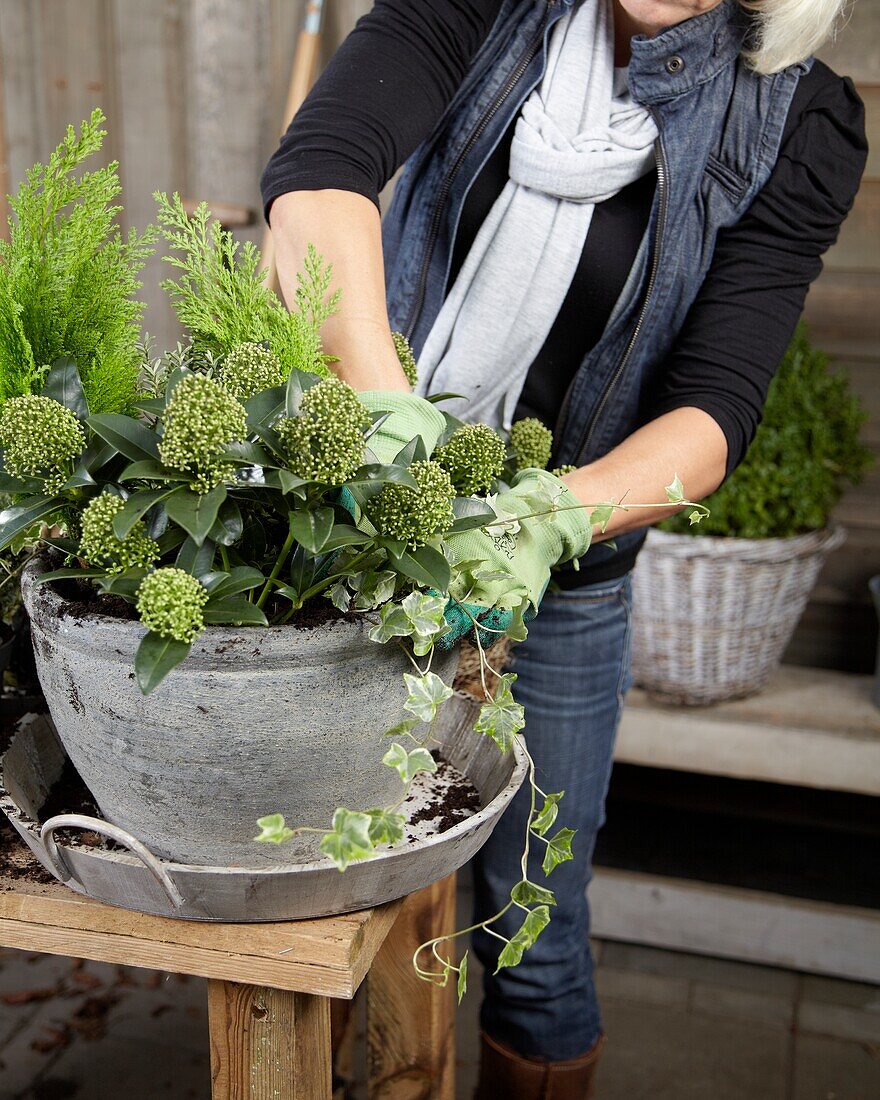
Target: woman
x=609 y=218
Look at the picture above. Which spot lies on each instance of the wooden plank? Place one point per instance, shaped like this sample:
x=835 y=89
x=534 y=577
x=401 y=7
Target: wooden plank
x=148 y=56
x=410 y=1023
x=856 y=50
x=24 y=102
x=737 y=924
x=870 y=94
x=843 y=316
x=809 y=727
x=858 y=247
x=327 y=957
x=267 y=1044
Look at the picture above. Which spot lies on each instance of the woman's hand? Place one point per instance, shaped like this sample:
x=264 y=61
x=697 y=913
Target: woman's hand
x=345 y=229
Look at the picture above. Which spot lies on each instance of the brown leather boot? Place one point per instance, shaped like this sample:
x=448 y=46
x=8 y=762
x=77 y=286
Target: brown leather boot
x=505 y=1075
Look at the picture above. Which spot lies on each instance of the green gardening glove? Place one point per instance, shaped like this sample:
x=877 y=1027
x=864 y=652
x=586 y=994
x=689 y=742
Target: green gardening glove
x=518 y=554
x=410 y=416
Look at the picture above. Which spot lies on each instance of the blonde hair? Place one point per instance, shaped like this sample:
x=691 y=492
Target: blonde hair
x=789 y=31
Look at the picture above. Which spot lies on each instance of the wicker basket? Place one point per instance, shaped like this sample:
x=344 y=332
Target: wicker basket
x=712 y=616
x=468 y=677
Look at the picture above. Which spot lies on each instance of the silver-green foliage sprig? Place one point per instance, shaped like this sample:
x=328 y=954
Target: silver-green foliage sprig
x=531 y=443
x=202 y=419
x=171 y=603
x=474 y=457
x=325 y=442
x=41 y=438
x=99 y=544
x=415 y=516
x=250 y=368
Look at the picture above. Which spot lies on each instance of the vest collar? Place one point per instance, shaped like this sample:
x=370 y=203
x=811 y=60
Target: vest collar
x=691 y=53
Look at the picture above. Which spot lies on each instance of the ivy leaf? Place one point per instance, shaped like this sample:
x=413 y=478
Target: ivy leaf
x=426 y=693
x=385 y=827
x=409 y=764
x=400 y=729
x=372 y=587
x=273 y=830
x=524 y=938
x=156 y=657
x=393 y=623
x=601 y=516
x=340 y=596
x=558 y=850
x=502 y=718
x=349 y=838
x=528 y=893
x=461 y=985
x=675 y=491
x=546 y=816
x=696 y=517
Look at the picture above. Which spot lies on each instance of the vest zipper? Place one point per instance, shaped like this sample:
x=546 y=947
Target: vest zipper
x=660 y=157
x=504 y=91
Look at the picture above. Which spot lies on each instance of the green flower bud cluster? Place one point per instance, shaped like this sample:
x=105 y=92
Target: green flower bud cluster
x=415 y=516
x=325 y=442
x=171 y=603
x=201 y=420
x=474 y=457
x=99 y=545
x=249 y=369
x=41 y=438
x=406 y=357
x=561 y=471
x=531 y=444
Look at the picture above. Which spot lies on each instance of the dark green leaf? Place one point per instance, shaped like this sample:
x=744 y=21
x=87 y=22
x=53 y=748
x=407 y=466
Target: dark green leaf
x=343 y=534
x=123 y=584
x=137 y=505
x=97 y=455
x=196 y=560
x=470 y=512
x=244 y=452
x=378 y=420
x=234 y=609
x=20 y=517
x=65 y=574
x=265 y=407
x=297 y=384
x=152 y=405
x=312 y=529
x=410 y=452
x=435 y=397
x=196 y=513
x=229 y=525
x=64 y=385
x=156 y=657
x=240 y=579
x=302 y=570
x=377 y=474
x=286 y=482
x=130 y=437
x=149 y=469
x=79 y=479
x=426 y=566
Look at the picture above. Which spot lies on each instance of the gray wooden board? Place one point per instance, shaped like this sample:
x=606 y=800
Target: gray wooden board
x=33 y=763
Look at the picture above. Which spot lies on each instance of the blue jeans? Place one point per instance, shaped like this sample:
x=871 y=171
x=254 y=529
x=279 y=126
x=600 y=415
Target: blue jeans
x=573 y=674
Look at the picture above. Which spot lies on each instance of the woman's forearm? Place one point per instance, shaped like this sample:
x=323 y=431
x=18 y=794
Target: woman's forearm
x=686 y=442
x=345 y=229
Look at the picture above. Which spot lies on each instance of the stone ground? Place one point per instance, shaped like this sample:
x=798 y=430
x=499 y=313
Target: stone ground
x=680 y=1027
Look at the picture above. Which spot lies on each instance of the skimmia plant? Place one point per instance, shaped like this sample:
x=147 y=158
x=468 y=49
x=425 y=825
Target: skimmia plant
x=240 y=484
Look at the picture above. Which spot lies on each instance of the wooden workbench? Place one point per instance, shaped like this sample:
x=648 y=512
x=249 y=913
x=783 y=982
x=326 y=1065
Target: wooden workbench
x=270 y=985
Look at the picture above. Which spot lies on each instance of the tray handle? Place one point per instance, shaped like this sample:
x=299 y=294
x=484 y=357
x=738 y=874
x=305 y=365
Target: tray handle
x=112 y=832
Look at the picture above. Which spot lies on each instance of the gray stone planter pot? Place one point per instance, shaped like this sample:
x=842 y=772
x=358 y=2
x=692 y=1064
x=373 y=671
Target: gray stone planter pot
x=255 y=721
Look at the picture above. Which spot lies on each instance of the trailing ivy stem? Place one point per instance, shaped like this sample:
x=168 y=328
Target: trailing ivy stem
x=276 y=569
x=592 y=507
x=317 y=589
x=429 y=975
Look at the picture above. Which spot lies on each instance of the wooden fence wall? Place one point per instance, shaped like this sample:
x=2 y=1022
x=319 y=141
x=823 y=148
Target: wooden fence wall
x=194 y=91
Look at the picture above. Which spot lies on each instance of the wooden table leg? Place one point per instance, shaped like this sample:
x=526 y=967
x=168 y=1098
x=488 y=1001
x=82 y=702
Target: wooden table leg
x=268 y=1044
x=410 y=1023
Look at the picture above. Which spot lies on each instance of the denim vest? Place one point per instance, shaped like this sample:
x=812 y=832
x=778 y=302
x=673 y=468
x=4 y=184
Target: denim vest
x=720 y=127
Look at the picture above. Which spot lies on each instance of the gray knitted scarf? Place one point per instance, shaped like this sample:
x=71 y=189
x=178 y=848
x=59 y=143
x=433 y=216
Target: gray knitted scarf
x=580 y=138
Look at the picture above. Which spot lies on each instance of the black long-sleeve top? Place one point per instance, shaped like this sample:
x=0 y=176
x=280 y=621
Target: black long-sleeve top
x=393 y=77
